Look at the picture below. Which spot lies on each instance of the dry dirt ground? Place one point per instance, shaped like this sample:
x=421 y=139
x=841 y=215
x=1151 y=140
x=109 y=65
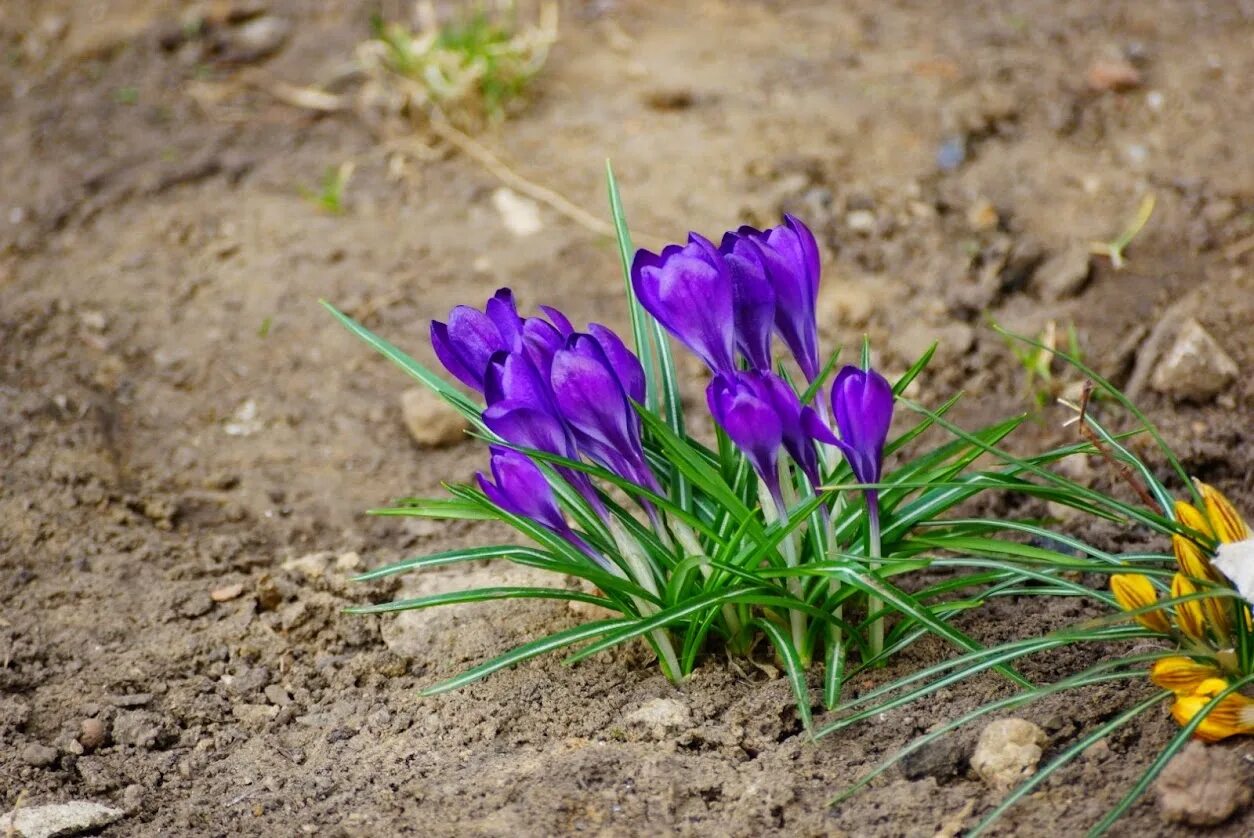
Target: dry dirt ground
x=177 y=414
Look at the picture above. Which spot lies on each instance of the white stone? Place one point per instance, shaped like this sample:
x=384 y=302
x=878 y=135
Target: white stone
x=57 y=819
x=521 y=216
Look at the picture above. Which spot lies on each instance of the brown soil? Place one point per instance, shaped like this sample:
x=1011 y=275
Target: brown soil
x=151 y=222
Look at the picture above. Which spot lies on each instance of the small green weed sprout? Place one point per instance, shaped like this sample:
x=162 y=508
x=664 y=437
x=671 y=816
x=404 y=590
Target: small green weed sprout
x=329 y=196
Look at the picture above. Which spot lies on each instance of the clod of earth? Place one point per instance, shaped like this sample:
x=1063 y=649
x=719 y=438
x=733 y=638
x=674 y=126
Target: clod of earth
x=431 y=422
x=1203 y=785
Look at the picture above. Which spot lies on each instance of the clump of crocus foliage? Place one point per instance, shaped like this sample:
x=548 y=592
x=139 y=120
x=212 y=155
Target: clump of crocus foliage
x=791 y=526
x=803 y=523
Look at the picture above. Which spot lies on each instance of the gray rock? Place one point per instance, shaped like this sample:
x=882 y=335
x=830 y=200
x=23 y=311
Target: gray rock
x=1202 y=786
x=1196 y=368
x=431 y=422
x=39 y=755
x=1064 y=274
x=941 y=758
x=1007 y=752
x=57 y=819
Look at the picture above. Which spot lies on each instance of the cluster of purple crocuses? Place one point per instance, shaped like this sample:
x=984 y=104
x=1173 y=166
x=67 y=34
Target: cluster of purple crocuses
x=569 y=393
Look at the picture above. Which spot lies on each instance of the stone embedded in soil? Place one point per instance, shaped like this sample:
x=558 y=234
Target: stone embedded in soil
x=1064 y=274
x=1203 y=785
x=1196 y=368
x=1008 y=752
x=941 y=758
x=227 y=592
x=57 y=819
x=92 y=734
x=39 y=755
x=660 y=717
x=431 y=422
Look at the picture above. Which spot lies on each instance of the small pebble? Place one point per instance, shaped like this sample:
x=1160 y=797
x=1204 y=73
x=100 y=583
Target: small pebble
x=1113 y=75
x=227 y=592
x=91 y=734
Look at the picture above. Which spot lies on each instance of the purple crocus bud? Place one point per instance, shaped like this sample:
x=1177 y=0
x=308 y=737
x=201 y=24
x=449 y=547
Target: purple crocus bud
x=522 y=489
x=688 y=289
x=593 y=401
x=753 y=298
x=787 y=406
x=743 y=409
x=791 y=257
x=862 y=401
x=466 y=344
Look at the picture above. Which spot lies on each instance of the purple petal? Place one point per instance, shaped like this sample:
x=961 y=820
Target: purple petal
x=753 y=298
x=522 y=488
x=540 y=339
x=749 y=421
x=527 y=426
x=862 y=401
x=449 y=357
x=688 y=290
x=559 y=320
x=503 y=313
x=791 y=257
x=590 y=397
x=513 y=377
x=626 y=365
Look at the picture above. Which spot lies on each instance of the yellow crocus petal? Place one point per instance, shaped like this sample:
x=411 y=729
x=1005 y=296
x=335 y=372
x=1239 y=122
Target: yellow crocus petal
x=1189 y=614
x=1133 y=591
x=1193 y=518
x=1181 y=675
x=1226 y=522
x=1232 y=716
x=1190 y=558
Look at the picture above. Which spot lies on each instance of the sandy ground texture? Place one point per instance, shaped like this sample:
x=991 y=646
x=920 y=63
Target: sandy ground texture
x=187 y=442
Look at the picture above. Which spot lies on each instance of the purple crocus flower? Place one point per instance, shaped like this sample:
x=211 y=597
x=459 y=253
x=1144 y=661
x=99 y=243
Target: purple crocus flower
x=688 y=289
x=753 y=298
x=791 y=260
x=862 y=401
x=465 y=345
x=744 y=411
x=522 y=411
x=760 y=413
x=592 y=398
x=521 y=488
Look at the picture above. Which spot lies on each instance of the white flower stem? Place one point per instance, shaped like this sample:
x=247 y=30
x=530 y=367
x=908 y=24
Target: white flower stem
x=639 y=566
x=874 y=550
x=774 y=510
